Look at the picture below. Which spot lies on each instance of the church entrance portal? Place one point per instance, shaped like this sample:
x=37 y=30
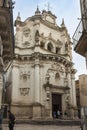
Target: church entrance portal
x=56 y=104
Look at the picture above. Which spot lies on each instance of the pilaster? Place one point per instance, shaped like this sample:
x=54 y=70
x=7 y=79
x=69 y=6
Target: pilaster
x=37 y=80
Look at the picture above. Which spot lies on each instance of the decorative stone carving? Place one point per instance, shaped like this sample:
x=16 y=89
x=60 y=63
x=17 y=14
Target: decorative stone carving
x=37 y=36
x=57 y=76
x=67 y=98
x=26 y=44
x=24 y=91
x=48 y=96
x=47 y=78
x=24 y=86
x=57 y=67
x=66 y=82
x=26 y=37
x=59 y=43
x=26 y=32
x=25 y=75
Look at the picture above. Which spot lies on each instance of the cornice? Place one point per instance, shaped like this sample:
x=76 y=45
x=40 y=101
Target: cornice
x=56 y=86
x=23 y=48
x=44 y=57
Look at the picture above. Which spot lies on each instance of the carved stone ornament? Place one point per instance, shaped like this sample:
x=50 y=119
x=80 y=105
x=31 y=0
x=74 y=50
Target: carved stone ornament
x=48 y=96
x=26 y=32
x=37 y=36
x=59 y=43
x=24 y=91
x=25 y=75
x=58 y=67
x=26 y=44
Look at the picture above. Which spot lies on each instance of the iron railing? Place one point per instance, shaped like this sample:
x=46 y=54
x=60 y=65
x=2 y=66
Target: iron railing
x=77 y=34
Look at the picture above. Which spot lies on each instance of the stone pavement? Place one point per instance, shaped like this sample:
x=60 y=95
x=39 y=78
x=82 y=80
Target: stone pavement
x=41 y=127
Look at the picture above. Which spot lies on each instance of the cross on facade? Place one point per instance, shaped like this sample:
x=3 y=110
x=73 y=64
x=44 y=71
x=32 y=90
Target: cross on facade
x=48 y=6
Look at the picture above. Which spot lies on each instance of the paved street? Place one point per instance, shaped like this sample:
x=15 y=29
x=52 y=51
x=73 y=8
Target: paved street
x=41 y=127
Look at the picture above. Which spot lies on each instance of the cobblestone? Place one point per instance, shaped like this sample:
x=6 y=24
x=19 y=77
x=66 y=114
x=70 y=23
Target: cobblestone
x=41 y=127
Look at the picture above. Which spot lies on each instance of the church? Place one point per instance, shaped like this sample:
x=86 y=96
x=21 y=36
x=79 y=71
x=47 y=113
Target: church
x=42 y=77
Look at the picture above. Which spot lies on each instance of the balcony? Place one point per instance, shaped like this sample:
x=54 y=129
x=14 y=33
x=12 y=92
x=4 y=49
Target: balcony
x=80 y=40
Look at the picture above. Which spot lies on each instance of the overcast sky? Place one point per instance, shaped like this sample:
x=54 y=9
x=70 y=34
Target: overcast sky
x=67 y=9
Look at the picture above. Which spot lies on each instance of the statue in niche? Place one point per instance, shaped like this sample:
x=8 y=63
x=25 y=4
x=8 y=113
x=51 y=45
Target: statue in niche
x=57 y=76
x=37 y=36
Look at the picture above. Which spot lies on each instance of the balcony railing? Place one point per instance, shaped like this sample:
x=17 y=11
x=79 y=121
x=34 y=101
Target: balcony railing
x=77 y=34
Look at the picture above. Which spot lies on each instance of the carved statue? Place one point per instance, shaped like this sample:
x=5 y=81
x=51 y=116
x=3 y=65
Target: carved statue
x=37 y=36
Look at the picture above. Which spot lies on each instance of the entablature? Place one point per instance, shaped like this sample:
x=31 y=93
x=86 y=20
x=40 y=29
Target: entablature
x=43 y=57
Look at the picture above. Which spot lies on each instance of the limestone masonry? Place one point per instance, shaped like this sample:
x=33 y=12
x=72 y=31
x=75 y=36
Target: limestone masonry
x=42 y=74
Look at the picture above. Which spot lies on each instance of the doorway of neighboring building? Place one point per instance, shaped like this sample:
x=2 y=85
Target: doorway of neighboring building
x=56 y=105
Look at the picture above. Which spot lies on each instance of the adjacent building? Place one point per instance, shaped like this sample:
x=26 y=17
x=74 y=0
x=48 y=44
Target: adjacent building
x=80 y=36
x=80 y=46
x=78 y=97
x=81 y=91
x=6 y=43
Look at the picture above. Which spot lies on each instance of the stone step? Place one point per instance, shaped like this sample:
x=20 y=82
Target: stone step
x=46 y=122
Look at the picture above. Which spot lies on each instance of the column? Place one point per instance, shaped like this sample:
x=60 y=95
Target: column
x=37 y=82
x=73 y=91
x=69 y=84
x=75 y=111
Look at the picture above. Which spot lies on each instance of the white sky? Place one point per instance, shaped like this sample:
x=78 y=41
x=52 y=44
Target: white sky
x=67 y=9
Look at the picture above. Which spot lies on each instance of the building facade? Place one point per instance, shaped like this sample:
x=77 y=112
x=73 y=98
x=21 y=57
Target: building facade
x=83 y=89
x=81 y=97
x=6 y=42
x=78 y=97
x=80 y=35
x=80 y=46
x=42 y=74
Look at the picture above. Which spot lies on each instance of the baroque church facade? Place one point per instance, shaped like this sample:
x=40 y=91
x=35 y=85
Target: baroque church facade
x=42 y=73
